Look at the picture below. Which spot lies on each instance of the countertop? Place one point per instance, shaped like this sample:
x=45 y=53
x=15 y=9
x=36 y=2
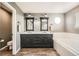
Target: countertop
x=32 y=32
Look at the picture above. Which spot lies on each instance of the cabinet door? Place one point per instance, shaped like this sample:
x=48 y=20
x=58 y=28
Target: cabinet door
x=36 y=41
x=25 y=42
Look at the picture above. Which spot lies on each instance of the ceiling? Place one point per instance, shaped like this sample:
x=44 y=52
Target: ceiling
x=46 y=7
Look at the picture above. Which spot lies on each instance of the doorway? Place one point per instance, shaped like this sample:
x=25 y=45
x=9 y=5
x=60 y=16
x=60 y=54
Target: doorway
x=5 y=29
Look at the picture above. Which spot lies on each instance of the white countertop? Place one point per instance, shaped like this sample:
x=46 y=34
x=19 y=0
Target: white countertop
x=33 y=32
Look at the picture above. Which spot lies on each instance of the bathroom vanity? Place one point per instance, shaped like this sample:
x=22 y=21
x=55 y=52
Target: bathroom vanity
x=36 y=40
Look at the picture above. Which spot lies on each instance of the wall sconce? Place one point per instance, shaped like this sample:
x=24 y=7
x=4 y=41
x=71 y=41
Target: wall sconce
x=18 y=22
x=18 y=26
x=45 y=15
x=29 y=14
x=57 y=20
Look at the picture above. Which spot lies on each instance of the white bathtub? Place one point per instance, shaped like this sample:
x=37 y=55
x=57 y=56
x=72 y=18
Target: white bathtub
x=66 y=44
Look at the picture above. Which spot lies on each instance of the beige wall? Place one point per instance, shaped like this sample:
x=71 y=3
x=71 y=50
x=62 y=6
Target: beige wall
x=70 y=20
x=57 y=27
x=5 y=26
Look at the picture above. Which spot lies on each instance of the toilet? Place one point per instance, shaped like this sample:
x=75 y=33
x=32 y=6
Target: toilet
x=9 y=44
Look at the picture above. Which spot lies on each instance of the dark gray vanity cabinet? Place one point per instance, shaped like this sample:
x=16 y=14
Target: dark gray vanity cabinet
x=36 y=40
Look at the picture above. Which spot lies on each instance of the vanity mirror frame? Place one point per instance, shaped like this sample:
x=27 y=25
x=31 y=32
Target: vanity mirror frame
x=43 y=18
x=28 y=18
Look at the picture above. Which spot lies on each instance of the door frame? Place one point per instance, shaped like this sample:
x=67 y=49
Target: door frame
x=14 y=51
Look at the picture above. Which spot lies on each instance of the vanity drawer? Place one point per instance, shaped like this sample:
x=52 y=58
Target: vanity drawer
x=36 y=41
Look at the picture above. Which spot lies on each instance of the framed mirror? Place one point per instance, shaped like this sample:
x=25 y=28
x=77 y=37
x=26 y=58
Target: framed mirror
x=29 y=23
x=43 y=23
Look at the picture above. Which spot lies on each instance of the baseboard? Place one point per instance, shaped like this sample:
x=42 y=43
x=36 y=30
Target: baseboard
x=3 y=48
x=16 y=51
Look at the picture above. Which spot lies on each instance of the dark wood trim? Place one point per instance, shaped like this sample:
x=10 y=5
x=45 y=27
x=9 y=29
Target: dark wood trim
x=41 y=18
x=28 y=18
x=6 y=10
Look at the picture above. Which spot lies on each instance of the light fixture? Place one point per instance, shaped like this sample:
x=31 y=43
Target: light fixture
x=18 y=22
x=45 y=15
x=29 y=14
x=57 y=20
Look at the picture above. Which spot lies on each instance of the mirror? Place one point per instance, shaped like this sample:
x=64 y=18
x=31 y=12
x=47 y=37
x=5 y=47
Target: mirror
x=57 y=20
x=44 y=23
x=30 y=24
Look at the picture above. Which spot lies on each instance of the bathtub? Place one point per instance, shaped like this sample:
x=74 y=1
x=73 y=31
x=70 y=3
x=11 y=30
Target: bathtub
x=66 y=44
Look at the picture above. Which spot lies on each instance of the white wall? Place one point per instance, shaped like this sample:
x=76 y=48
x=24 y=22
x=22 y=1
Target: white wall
x=20 y=18
x=70 y=20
